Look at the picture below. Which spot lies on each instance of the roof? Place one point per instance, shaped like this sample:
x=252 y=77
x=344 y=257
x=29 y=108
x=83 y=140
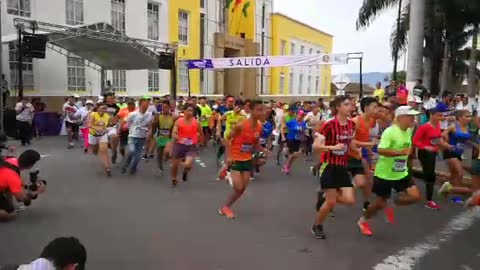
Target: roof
x=302 y=23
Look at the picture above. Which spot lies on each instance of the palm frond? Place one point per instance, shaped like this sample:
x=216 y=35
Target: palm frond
x=371 y=9
x=399 y=36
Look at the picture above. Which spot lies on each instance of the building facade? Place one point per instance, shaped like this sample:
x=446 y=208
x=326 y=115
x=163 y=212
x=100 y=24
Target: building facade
x=200 y=28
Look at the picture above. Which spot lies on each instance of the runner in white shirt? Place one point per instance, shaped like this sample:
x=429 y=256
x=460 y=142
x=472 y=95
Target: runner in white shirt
x=72 y=123
x=82 y=114
x=24 y=110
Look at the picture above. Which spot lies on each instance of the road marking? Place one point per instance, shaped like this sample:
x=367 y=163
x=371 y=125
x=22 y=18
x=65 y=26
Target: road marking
x=407 y=258
x=42 y=156
x=199 y=162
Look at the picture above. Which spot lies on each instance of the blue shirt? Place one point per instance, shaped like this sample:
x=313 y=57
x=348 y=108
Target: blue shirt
x=295 y=129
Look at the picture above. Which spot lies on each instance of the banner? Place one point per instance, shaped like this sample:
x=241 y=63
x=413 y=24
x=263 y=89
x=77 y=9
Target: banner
x=268 y=61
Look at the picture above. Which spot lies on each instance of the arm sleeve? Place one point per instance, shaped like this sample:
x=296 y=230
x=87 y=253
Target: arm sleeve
x=418 y=137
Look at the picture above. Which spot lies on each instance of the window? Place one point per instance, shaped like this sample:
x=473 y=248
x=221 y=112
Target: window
x=202 y=3
x=183 y=27
x=183 y=76
x=292 y=48
x=310 y=51
x=74 y=11
x=153 y=20
x=317 y=85
x=283 y=44
x=318 y=52
x=282 y=83
x=27 y=67
x=118 y=15
x=76 y=73
x=290 y=83
x=19 y=7
x=154 y=81
x=302 y=50
x=119 y=82
x=300 y=84
x=309 y=89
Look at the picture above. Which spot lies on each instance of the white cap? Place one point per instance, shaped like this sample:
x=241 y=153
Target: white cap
x=89 y=102
x=76 y=96
x=415 y=99
x=405 y=110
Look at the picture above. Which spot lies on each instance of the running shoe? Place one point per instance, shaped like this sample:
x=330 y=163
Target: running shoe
x=114 y=157
x=313 y=172
x=108 y=172
x=317 y=231
x=445 y=189
x=227 y=212
x=151 y=156
x=364 y=228
x=432 y=205
x=70 y=145
x=85 y=150
x=144 y=157
x=286 y=170
x=474 y=200
x=389 y=214
x=174 y=183
x=20 y=208
x=458 y=200
x=365 y=206
x=185 y=177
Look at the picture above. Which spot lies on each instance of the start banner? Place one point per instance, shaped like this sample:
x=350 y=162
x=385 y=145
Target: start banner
x=268 y=61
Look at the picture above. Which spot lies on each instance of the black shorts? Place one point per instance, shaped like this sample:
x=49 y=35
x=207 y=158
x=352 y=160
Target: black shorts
x=450 y=154
x=293 y=146
x=72 y=126
x=334 y=177
x=6 y=203
x=355 y=167
x=383 y=188
x=181 y=151
x=206 y=130
x=123 y=137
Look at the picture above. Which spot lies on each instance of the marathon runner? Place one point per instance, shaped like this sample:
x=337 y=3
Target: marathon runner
x=294 y=130
x=98 y=139
x=162 y=126
x=112 y=110
x=289 y=115
x=241 y=142
x=187 y=134
x=338 y=134
x=205 y=114
x=312 y=119
x=428 y=140
x=123 y=126
x=391 y=171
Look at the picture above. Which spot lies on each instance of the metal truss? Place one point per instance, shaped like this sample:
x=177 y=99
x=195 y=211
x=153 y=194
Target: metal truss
x=62 y=51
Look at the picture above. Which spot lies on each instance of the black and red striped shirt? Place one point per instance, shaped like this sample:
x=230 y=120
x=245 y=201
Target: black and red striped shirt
x=336 y=133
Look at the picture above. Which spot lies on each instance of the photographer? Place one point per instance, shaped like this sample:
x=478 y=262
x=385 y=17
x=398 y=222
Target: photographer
x=63 y=253
x=11 y=184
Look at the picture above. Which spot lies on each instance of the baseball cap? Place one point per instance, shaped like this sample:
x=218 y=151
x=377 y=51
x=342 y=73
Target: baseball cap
x=405 y=110
x=440 y=108
x=145 y=98
x=415 y=99
x=301 y=112
x=89 y=102
x=76 y=96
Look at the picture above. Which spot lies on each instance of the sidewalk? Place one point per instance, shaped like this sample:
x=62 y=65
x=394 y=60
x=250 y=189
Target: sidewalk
x=442 y=171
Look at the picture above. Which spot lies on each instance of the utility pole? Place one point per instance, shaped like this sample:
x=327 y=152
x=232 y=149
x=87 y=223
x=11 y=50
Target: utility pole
x=20 y=61
x=262 y=48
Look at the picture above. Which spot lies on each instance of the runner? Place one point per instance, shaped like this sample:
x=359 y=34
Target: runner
x=123 y=126
x=98 y=123
x=187 y=134
x=231 y=118
x=162 y=125
x=112 y=110
x=242 y=141
x=338 y=134
x=428 y=139
x=138 y=124
x=206 y=113
x=268 y=125
x=294 y=130
x=391 y=171
x=82 y=114
x=312 y=119
x=457 y=135
x=289 y=115
x=72 y=123
x=358 y=160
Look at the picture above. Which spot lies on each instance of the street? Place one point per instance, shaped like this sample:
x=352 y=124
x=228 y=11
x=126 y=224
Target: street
x=139 y=222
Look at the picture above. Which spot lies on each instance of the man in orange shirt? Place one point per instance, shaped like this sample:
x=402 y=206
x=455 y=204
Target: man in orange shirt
x=123 y=127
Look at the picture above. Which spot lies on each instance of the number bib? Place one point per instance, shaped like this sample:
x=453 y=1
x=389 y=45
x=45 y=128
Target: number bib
x=435 y=141
x=399 y=165
x=186 y=141
x=164 y=132
x=460 y=147
x=298 y=137
x=246 y=148
x=263 y=140
x=340 y=152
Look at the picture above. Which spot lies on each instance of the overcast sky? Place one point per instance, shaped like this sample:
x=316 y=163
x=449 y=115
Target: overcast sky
x=338 y=17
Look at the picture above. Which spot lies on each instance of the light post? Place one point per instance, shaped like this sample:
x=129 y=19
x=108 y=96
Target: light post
x=358 y=56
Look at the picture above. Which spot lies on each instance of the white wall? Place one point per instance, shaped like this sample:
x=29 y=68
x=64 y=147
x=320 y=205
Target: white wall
x=50 y=74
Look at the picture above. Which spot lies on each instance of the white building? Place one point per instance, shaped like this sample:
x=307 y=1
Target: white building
x=58 y=75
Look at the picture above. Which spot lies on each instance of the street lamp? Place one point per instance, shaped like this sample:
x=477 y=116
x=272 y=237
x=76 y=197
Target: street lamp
x=358 y=56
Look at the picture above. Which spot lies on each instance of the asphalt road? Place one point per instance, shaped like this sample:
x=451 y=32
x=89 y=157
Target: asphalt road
x=139 y=222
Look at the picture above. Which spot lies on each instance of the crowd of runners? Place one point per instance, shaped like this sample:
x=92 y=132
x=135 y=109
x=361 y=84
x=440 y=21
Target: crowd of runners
x=367 y=145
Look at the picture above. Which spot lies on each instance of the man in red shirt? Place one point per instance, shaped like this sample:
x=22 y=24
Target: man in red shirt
x=11 y=185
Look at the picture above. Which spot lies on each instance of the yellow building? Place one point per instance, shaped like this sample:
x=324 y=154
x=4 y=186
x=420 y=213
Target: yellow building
x=184 y=29
x=241 y=18
x=291 y=37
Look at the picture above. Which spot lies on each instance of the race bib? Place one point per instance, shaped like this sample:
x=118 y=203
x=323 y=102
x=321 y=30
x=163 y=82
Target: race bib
x=164 y=132
x=263 y=140
x=435 y=141
x=460 y=146
x=101 y=124
x=399 y=165
x=298 y=137
x=186 y=141
x=340 y=152
x=101 y=132
x=246 y=148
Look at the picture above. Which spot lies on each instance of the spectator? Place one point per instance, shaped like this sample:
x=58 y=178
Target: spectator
x=24 y=110
x=379 y=92
x=5 y=91
x=419 y=90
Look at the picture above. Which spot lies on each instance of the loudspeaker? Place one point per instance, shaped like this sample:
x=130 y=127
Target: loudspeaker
x=34 y=45
x=166 y=61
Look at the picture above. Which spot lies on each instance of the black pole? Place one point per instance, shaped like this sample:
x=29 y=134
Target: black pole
x=361 y=77
x=395 y=59
x=173 y=78
x=262 y=70
x=188 y=83
x=20 y=63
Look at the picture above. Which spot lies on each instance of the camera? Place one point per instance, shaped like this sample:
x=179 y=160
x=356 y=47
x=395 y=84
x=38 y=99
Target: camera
x=34 y=181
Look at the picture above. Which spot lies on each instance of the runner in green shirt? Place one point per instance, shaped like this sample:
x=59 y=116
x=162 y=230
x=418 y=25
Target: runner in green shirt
x=391 y=171
x=206 y=113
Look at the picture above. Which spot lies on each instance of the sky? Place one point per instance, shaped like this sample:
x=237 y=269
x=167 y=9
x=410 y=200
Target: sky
x=338 y=17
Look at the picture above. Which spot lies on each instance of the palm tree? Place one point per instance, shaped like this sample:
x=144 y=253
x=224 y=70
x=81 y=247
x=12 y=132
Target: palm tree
x=472 y=76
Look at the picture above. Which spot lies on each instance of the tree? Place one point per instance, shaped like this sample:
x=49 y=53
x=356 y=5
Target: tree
x=401 y=75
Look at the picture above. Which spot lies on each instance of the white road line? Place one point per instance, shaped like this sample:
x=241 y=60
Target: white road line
x=199 y=161
x=407 y=258
x=42 y=156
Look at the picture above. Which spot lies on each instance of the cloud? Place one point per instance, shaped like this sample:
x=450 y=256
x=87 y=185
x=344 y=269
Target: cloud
x=338 y=18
